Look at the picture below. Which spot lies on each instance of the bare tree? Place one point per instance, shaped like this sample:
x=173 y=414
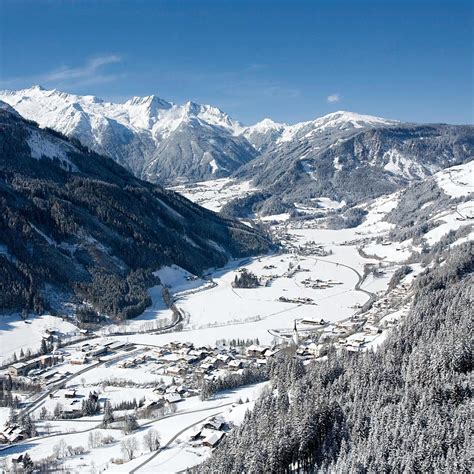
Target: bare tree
x=151 y=440
x=128 y=447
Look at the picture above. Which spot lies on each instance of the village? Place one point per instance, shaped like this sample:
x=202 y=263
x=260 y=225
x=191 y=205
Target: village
x=177 y=371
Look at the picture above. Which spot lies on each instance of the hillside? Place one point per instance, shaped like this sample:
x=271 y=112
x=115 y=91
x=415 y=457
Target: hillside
x=75 y=226
x=351 y=164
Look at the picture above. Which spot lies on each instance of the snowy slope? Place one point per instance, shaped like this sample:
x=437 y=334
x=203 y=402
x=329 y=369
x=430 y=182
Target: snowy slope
x=184 y=141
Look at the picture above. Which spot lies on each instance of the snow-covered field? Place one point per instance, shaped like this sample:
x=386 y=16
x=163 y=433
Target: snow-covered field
x=17 y=335
x=216 y=193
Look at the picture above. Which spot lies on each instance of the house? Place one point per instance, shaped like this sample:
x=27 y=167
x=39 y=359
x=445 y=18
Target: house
x=78 y=359
x=152 y=404
x=256 y=351
x=22 y=368
x=216 y=423
x=161 y=388
x=201 y=433
x=214 y=439
x=172 y=397
x=176 y=370
x=235 y=364
x=71 y=411
x=207 y=367
x=117 y=345
x=70 y=394
x=14 y=433
x=223 y=359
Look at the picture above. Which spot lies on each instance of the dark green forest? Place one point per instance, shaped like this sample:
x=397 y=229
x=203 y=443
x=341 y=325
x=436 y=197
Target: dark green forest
x=86 y=229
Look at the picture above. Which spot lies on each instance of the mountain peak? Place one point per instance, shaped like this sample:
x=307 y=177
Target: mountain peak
x=151 y=101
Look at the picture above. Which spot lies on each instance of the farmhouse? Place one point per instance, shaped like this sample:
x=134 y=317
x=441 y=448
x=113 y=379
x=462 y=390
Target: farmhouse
x=176 y=370
x=214 y=439
x=172 y=397
x=256 y=351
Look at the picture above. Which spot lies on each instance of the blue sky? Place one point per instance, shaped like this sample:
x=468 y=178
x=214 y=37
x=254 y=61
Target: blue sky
x=288 y=60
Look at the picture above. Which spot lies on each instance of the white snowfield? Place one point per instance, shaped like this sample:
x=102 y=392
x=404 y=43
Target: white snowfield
x=17 y=335
x=214 y=194
x=457 y=181
x=158 y=118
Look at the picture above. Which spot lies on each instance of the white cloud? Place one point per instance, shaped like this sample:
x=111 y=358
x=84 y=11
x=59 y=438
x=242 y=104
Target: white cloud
x=88 y=71
x=334 y=98
x=93 y=71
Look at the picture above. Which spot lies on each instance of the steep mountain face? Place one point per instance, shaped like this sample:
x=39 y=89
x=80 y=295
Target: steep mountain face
x=352 y=163
x=76 y=226
x=155 y=139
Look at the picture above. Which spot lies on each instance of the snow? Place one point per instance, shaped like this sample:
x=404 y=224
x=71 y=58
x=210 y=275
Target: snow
x=457 y=181
x=214 y=166
x=177 y=279
x=16 y=334
x=42 y=146
x=72 y=113
x=341 y=120
x=308 y=168
x=214 y=194
x=401 y=165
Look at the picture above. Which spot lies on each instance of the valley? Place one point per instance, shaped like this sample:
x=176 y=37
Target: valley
x=325 y=288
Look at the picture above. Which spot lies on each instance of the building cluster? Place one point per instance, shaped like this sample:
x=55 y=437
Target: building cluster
x=188 y=365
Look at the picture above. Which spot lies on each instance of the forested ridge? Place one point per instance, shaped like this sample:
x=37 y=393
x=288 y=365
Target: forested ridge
x=84 y=228
x=403 y=408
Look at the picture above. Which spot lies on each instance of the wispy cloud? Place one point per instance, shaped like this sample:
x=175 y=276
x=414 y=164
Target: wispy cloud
x=93 y=71
x=334 y=98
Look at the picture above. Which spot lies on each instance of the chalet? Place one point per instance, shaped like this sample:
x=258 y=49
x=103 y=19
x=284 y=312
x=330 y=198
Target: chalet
x=71 y=411
x=223 y=359
x=199 y=353
x=236 y=364
x=161 y=388
x=256 y=351
x=207 y=367
x=176 y=370
x=201 y=434
x=70 y=394
x=172 y=397
x=214 y=439
x=190 y=359
x=153 y=404
x=14 y=433
x=217 y=423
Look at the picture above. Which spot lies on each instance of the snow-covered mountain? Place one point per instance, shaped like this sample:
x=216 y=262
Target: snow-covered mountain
x=350 y=160
x=267 y=133
x=172 y=144
x=156 y=139
x=169 y=143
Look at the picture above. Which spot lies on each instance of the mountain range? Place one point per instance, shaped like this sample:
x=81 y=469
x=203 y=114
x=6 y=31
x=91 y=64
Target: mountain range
x=345 y=156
